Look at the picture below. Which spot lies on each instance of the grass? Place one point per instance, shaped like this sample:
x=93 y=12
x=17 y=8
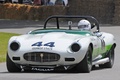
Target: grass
x=4 y=38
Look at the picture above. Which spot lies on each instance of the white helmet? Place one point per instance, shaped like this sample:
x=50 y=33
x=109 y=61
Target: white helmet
x=84 y=25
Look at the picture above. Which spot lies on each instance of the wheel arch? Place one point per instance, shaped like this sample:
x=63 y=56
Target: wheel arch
x=91 y=45
x=114 y=45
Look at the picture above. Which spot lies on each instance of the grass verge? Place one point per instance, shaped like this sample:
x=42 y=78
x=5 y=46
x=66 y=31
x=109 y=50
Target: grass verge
x=4 y=38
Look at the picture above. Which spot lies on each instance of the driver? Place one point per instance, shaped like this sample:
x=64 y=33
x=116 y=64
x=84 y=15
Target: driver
x=84 y=25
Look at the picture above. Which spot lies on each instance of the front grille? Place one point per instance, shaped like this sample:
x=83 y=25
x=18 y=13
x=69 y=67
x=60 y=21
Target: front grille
x=41 y=57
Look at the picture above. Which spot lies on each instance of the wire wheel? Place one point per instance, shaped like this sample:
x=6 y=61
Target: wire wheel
x=85 y=65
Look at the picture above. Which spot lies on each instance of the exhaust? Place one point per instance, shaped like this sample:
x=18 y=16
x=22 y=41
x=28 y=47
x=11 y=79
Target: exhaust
x=101 y=61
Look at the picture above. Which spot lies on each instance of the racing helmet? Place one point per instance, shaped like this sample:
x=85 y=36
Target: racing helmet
x=84 y=25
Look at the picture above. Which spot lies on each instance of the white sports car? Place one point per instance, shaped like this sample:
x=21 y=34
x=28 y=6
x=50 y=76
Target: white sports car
x=55 y=48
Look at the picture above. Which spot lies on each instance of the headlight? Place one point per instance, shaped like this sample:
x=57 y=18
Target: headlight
x=75 y=47
x=14 y=46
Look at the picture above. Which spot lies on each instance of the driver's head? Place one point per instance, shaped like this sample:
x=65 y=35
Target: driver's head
x=84 y=25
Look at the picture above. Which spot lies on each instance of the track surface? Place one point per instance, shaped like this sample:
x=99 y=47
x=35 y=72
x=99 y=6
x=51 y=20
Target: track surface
x=96 y=74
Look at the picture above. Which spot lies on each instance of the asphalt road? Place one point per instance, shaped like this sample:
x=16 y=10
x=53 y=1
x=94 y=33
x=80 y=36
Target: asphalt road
x=97 y=74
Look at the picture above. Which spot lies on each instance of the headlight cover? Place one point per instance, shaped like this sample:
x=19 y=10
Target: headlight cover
x=75 y=47
x=14 y=46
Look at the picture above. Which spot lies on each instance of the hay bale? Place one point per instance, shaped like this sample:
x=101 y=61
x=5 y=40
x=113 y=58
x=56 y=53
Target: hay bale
x=29 y=12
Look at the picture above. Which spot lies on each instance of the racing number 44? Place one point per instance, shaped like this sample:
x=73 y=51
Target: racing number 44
x=49 y=44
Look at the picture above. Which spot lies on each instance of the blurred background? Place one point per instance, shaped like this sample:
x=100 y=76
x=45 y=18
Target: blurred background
x=106 y=11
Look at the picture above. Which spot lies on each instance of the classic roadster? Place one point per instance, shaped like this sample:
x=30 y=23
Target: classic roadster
x=61 y=48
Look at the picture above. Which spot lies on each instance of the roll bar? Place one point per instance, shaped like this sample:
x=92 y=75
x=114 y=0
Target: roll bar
x=72 y=16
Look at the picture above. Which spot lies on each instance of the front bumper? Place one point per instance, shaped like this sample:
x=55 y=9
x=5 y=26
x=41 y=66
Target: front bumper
x=46 y=59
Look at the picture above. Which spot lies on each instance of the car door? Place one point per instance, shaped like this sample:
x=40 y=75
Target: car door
x=96 y=45
x=100 y=43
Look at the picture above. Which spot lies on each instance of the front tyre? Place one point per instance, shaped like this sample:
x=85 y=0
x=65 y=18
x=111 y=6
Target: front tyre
x=11 y=67
x=86 y=64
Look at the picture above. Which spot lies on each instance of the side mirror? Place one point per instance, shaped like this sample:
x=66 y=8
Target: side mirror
x=98 y=34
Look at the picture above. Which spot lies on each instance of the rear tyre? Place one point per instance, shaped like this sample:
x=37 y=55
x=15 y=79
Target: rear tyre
x=11 y=67
x=86 y=65
x=111 y=56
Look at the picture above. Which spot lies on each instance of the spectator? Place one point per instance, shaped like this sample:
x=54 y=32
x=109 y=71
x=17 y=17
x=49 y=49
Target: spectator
x=58 y=2
x=44 y=2
x=61 y=2
x=49 y=3
x=27 y=1
x=37 y=2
